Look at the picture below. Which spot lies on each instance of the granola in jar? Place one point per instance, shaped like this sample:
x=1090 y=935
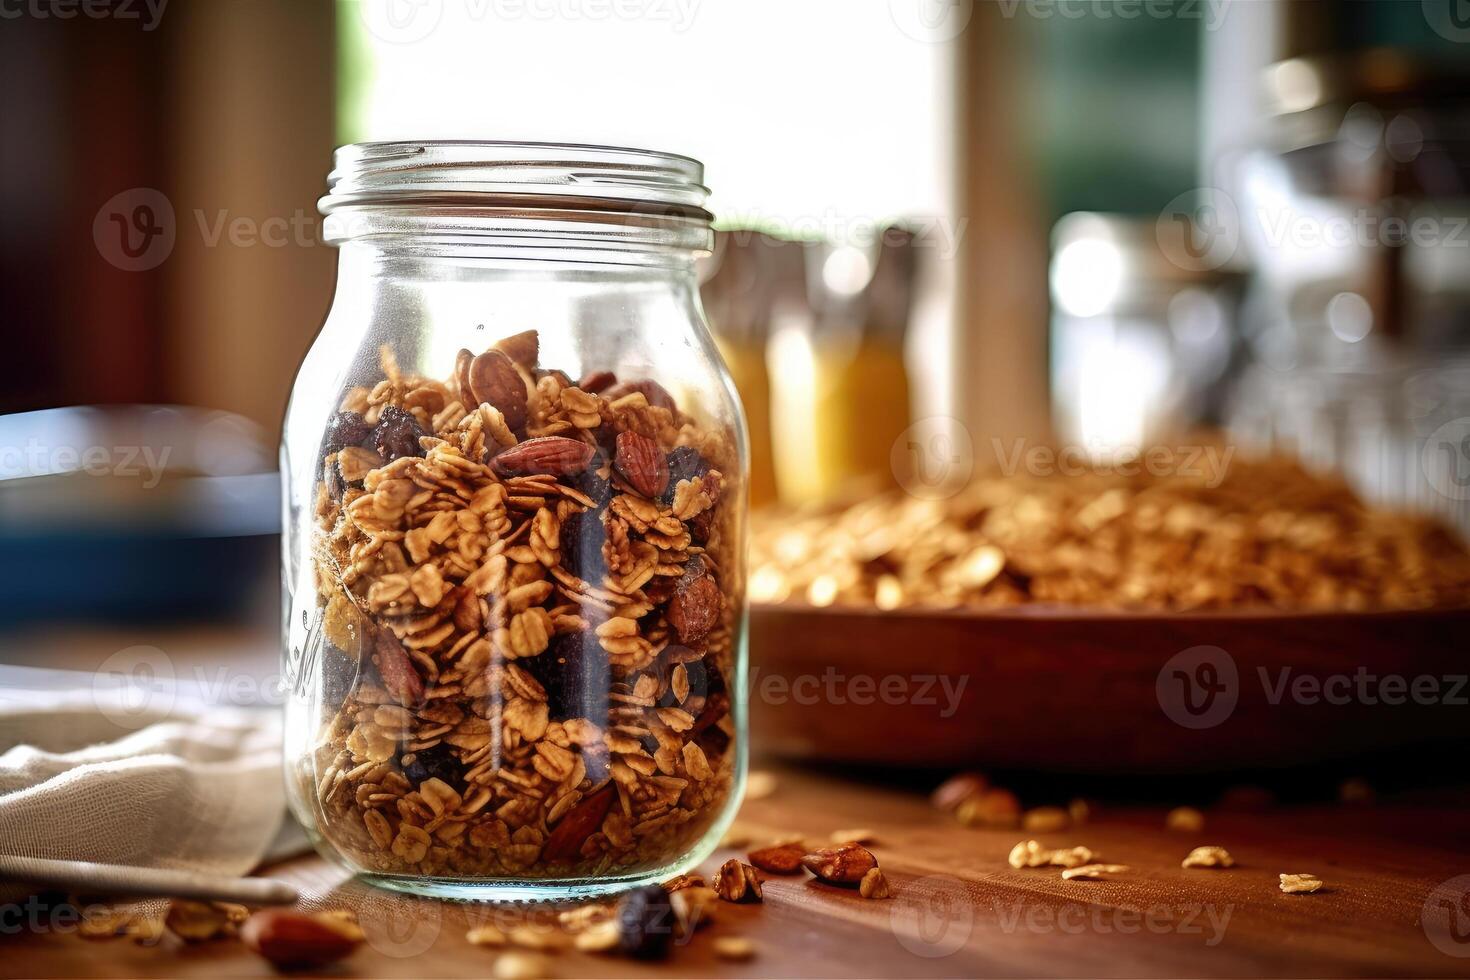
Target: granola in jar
x=528 y=595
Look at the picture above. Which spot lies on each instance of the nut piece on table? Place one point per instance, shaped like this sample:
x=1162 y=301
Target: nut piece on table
x=1208 y=856
x=958 y=788
x=734 y=948
x=759 y=784
x=1045 y=820
x=295 y=940
x=196 y=922
x=737 y=882
x=1092 y=872
x=693 y=908
x=843 y=865
x=1300 y=884
x=486 y=935
x=874 y=885
x=778 y=859
x=515 y=965
x=1185 y=819
x=1030 y=854
x=600 y=937
x=689 y=880
x=992 y=808
x=858 y=836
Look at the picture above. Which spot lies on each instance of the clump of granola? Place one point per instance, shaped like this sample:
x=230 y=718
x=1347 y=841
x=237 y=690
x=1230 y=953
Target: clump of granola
x=528 y=602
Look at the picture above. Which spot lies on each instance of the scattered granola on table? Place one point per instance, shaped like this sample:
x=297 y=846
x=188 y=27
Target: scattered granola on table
x=1300 y=884
x=1208 y=856
x=1185 y=819
x=1269 y=535
x=529 y=596
x=1092 y=872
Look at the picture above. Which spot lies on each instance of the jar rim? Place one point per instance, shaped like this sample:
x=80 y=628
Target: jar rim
x=494 y=174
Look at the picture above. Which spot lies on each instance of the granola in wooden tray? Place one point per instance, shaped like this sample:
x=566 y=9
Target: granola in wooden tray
x=529 y=593
x=1259 y=534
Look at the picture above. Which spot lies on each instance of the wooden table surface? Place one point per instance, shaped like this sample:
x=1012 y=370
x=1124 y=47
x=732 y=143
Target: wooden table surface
x=1390 y=906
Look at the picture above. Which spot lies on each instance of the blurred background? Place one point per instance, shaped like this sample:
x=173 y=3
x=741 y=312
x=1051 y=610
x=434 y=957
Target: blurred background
x=944 y=225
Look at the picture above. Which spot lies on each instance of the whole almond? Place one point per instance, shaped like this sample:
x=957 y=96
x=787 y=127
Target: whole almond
x=958 y=788
x=294 y=940
x=639 y=461
x=782 y=859
x=524 y=348
x=398 y=673
x=843 y=865
x=493 y=379
x=566 y=838
x=596 y=382
x=549 y=455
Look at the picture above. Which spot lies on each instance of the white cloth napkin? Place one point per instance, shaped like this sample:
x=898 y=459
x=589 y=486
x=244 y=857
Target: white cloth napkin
x=86 y=775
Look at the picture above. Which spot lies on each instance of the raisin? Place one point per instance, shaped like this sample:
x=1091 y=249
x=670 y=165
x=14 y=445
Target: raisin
x=346 y=429
x=339 y=672
x=582 y=535
x=576 y=676
x=598 y=488
x=646 y=923
x=701 y=525
x=685 y=463
x=436 y=762
x=398 y=434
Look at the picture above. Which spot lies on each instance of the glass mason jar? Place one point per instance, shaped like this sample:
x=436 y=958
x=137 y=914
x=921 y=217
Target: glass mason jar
x=514 y=555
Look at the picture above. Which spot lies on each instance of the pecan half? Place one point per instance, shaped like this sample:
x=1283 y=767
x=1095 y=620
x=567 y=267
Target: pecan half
x=639 y=461
x=782 y=859
x=843 y=865
x=493 y=379
x=737 y=882
x=550 y=455
x=567 y=837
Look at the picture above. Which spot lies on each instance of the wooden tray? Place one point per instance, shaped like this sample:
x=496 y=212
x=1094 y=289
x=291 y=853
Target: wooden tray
x=1091 y=691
